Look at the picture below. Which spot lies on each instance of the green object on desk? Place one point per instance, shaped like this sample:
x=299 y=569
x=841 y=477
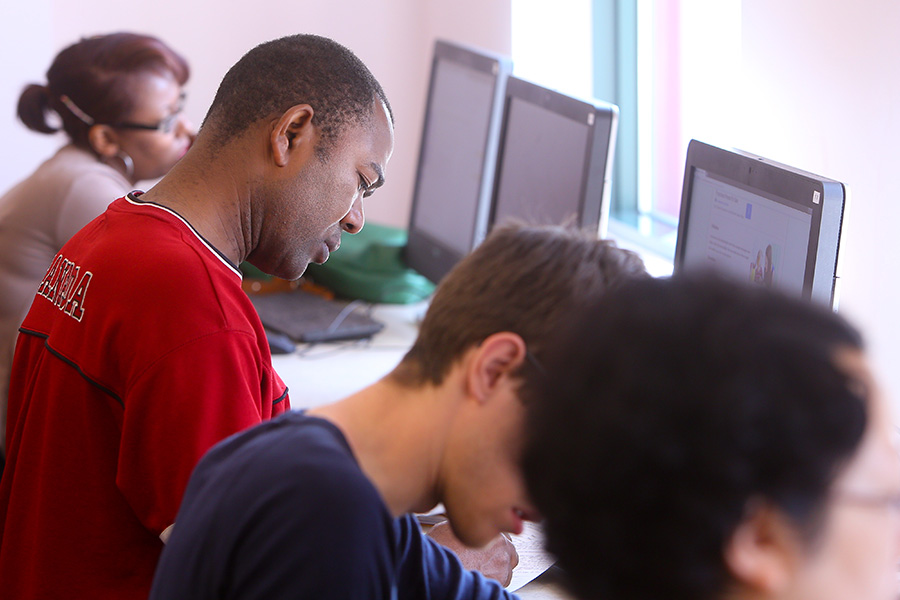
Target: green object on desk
x=370 y=266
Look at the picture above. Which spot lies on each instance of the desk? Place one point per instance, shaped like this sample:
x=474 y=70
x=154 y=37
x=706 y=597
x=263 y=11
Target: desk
x=323 y=373
x=318 y=374
x=546 y=586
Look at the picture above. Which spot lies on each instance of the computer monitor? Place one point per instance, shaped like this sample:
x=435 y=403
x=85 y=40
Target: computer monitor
x=455 y=176
x=555 y=161
x=760 y=221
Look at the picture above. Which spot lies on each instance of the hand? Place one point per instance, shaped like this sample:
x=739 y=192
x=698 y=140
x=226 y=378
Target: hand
x=496 y=560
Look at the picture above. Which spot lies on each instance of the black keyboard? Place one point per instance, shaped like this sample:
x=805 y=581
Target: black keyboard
x=307 y=317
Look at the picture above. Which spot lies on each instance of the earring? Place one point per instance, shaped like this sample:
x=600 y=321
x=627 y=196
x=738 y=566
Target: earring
x=129 y=164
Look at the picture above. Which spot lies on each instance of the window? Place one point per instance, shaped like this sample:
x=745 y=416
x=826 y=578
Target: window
x=672 y=68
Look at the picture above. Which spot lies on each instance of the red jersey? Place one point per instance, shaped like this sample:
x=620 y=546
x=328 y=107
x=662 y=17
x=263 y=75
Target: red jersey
x=139 y=353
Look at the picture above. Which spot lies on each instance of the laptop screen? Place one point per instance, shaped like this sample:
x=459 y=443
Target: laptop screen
x=455 y=174
x=555 y=160
x=760 y=221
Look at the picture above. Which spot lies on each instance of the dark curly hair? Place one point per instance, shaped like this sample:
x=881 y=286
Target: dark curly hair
x=298 y=69
x=669 y=406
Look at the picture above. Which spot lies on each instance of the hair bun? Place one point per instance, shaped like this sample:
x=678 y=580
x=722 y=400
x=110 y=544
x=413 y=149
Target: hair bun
x=34 y=104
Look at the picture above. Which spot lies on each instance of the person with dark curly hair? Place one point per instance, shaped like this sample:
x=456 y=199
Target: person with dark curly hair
x=317 y=504
x=118 y=98
x=714 y=440
x=141 y=350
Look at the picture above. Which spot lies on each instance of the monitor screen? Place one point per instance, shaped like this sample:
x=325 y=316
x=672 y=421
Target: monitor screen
x=555 y=158
x=760 y=221
x=451 y=202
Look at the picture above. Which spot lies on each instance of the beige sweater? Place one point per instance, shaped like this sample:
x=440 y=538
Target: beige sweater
x=37 y=217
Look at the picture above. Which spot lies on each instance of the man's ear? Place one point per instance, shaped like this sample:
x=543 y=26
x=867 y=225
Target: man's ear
x=293 y=134
x=104 y=140
x=496 y=357
x=765 y=549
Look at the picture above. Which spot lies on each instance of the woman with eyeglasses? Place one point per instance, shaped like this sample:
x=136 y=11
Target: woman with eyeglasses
x=118 y=98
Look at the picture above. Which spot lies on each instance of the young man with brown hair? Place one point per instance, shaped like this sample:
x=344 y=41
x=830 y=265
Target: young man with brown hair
x=318 y=504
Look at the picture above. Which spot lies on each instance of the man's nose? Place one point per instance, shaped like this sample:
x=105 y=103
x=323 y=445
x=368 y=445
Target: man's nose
x=354 y=220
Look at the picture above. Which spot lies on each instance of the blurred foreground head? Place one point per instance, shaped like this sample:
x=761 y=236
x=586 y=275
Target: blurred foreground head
x=713 y=440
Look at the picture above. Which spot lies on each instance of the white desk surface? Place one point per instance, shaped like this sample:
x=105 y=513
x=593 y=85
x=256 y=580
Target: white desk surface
x=318 y=374
x=322 y=373
x=546 y=587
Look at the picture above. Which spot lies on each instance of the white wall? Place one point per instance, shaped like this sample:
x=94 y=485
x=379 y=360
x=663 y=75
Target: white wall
x=821 y=84
x=393 y=37
x=822 y=92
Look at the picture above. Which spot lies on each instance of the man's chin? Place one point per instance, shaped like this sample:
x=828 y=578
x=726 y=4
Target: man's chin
x=295 y=275
x=289 y=267
x=291 y=273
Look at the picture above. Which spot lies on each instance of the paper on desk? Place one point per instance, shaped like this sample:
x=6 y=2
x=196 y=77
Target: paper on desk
x=533 y=559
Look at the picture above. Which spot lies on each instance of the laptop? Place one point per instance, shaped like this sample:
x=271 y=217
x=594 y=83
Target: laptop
x=308 y=317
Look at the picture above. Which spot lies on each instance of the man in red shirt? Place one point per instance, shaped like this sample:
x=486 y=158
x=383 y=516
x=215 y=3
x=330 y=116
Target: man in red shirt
x=141 y=351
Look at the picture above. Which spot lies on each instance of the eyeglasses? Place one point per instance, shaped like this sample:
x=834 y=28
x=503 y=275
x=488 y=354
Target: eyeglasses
x=165 y=125
x=886 y=500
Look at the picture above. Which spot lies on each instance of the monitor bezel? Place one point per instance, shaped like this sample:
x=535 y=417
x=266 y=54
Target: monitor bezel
x=596 y=177
x=788 y=185
x=429 y=256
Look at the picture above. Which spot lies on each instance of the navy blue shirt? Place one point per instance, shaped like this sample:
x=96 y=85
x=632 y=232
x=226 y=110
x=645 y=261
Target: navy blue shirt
x=284 y=511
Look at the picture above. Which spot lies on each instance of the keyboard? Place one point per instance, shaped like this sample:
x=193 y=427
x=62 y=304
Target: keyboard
x=307 y=317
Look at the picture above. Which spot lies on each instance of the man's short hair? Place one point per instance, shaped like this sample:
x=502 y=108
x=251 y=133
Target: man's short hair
x=298 y=69
x=691 y=399
x=522 y=279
